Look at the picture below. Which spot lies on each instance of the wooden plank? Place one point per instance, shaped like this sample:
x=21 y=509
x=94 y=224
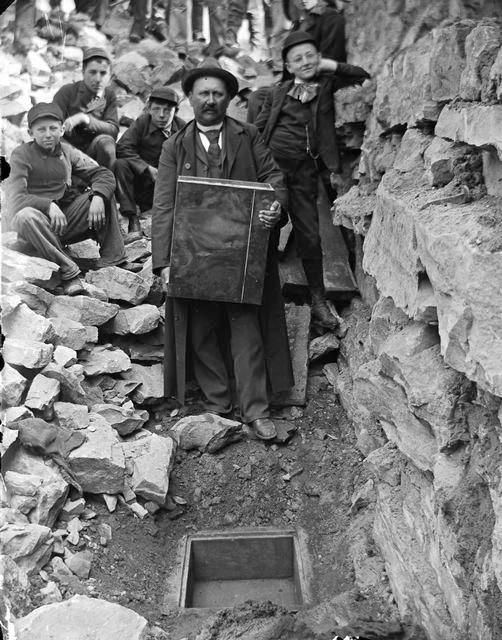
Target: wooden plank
x=298 y=321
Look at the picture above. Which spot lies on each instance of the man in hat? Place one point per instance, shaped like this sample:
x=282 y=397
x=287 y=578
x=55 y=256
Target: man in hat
x=138 y=153
x=48 y=211
x=90 y=109
x=325 y=23
x=216 y=146
x=298 y=125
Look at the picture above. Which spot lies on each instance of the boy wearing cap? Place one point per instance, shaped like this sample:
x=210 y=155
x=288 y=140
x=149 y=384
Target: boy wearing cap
x=47 y=211
x=138 y=152
x=90 y=109
x=298 y=125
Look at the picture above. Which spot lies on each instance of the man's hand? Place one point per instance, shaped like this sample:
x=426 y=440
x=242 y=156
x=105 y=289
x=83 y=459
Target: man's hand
x=153 y=172
x=57 y=219
x=97 y=216
x=164 y=274
x=75 y=120
x=270 y=217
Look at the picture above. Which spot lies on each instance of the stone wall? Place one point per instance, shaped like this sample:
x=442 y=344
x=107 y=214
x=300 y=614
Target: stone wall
x=420 y=370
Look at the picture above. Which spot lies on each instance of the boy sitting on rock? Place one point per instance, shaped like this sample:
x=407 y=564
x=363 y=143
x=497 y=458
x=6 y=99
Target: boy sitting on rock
x=47 y=212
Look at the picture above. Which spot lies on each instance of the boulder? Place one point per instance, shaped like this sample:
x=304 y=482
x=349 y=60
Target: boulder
x=354 y=210
x=42 y=393
x=131 y=109
x=410 y=154
x=138 y=249
x=15 y=587
x=439 y=159
x=70 y=379
x=13 y=386
x=322 y=346
x=29 y=545
x=80 y=618
x=119 y=284
x=481 y=48
x=354 y=104
x=13 y=414
x=448 y=59
x=38 y=69
x=132 y=71
x=87 y=311
x=152 y=459
x=15 y=95
x=27 y=353
x=73 y=334
x=18 y=266
x=124 y=419
x=64 y=356
x=36 y=298
x=207 y=432
x=80 y=563
x=137 y=320
x=20 y=322
x=99 y=463
x=71 y=416
x=151 y=381
x=104 y=359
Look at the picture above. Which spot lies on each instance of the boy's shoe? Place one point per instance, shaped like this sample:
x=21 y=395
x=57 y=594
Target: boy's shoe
x=73 y=287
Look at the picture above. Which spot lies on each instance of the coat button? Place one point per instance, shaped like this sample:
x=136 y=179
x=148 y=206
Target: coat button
x=187 y=165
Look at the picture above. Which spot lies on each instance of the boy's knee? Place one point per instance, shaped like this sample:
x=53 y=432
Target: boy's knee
x=27 y=218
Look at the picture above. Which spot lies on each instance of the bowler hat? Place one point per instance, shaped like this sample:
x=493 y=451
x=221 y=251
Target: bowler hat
x=95 y=52
x=165 y=94
x=44 y=110
x=210 y=72
x=297 y=37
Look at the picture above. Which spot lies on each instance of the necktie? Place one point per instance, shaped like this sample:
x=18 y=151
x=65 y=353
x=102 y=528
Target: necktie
x=304 y=92
x=214 y=151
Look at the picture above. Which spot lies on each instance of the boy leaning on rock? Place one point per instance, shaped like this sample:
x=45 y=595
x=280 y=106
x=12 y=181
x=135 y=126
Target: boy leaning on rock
x=47 y=211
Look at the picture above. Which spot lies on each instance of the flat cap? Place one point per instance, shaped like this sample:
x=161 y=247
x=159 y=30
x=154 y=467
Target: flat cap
x=95 y=52
x=44 y=110
x=210 y=72
x=297 y=37
x=166 y=94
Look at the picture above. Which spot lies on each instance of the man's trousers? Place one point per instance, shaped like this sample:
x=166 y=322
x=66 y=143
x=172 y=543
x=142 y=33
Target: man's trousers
x=133 y=188
x=207 y=322
x=34 y=227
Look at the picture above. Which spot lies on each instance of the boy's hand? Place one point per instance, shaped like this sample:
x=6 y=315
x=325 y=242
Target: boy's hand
x=57 y=219
x=74 y=121
x=270 y=217
x=97 y=216
x=153 y=173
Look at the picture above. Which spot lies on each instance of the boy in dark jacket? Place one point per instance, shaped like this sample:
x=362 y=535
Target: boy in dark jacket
x=138 y=153
x=47 y=212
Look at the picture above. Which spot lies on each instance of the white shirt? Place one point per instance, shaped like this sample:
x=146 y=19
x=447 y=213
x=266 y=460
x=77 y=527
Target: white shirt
x=204 y=139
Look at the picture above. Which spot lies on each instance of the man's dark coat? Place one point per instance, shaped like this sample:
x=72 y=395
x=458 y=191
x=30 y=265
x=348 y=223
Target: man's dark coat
x=245 y=158
x=328 y=31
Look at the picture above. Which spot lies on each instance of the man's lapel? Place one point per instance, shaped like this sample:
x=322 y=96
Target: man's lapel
x=188 y=141
x=232 y=132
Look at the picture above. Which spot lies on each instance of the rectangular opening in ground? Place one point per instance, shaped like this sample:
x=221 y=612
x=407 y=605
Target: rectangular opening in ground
x=226 y=570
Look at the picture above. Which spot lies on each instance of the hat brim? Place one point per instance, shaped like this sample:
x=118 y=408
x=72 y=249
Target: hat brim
x=49 y=116
x=210 y=72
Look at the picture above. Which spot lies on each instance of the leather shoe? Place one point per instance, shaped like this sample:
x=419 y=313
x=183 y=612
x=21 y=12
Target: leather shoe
x=134 y=224
x=264 y=428
x=322 y=314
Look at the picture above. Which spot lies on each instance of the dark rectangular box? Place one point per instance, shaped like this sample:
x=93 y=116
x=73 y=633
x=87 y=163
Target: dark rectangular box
x=219 y=245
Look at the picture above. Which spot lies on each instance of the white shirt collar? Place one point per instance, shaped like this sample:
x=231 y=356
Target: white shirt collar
x=204 y=128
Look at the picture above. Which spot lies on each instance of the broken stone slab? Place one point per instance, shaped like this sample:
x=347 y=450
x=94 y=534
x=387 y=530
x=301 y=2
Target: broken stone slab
x=125 y=420
x=80 y=563
x=146 y=353
x=73 y=508
x=330 y=370
x=18 y=266
x=439 y=159
x=87 y=311
x=354 y=210
x=42 y=393
x=152 y=457
x=138 y=249
x=137 y=320
x=207 y=432
x=448 y=59
x=99 y=463
x=64 y=356
x=13 y=386
x=321 y=346
x=481 y=48
x=70 y=379
x=13 y=414
x=29 y=545
x=151 y=380
x=27 y=353
x=73 y=334
x=20 y=322
x=132 y=71
x=95 y=292
x=71 y=416
x=119 y=284
x=36 y=298
x=104 y=359
x=51 y=593
x=411 y=150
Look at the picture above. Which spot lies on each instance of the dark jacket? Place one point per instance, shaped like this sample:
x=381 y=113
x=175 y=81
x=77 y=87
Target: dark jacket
x=74 y=98
x=38 y=178
x=142 y=142
x=324 y=114
x=245 y=158
x=328 y=31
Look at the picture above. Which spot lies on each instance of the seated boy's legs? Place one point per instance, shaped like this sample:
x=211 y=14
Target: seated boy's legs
x=132 y=188
x=103 y=150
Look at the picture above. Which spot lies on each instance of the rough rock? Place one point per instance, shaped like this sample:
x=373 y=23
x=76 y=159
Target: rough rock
x=71 y=416
x=87 y=311
x=105 y=359
x=20 y=322
x=495 y=87
x=80 y=618
x=36 y=298
x=151 y=381
x=131 y=109
x=448 y=59
x=481 y=47
x=38 y=69
x=124 y=419
x=51 y=593
x=64 y=356
x=492 y=173
x=15 y=94
x=70 y=379
x=137 y=320
x=353 y=210
x=119 y=284
x=152 y=459
x=13 y=386
x=18 y=266
x=439 y=158
x=132 y=70
x=29 y=545
x=15 y=586
x=138 y=249
x=411 y=151
x=207 y=432
x=73 y=334
x=80 y=563
x=99 y=463
x=13 y=414
x=42 y=393
x=146 y=353
x=27 y=353
x=321 y=346
x=353 y=104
